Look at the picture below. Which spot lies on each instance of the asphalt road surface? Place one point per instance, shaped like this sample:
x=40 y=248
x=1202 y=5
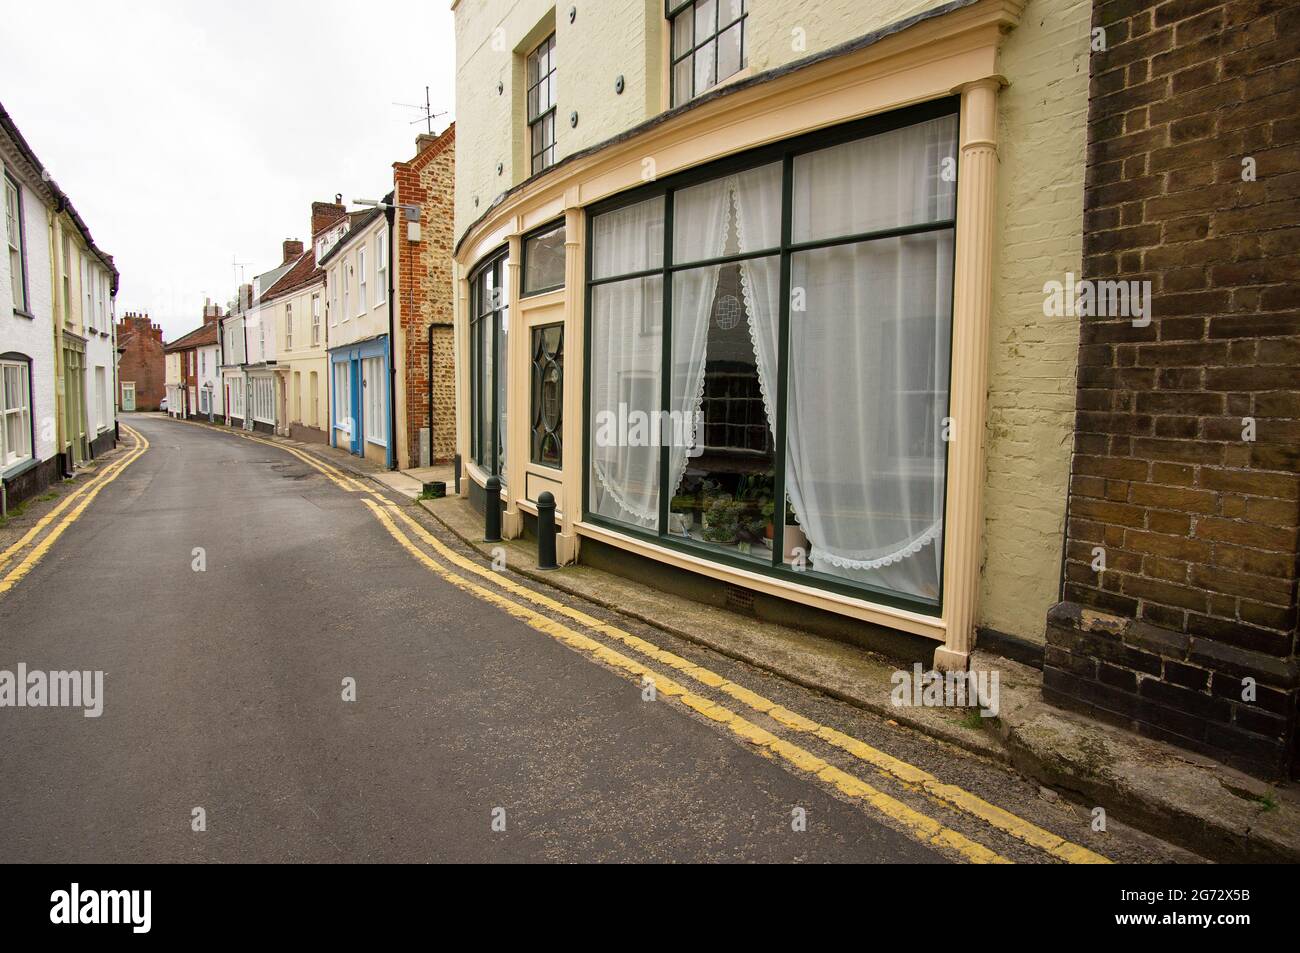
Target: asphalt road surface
x=222 y=691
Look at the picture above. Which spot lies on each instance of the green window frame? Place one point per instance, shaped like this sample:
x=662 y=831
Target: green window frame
x=489 y=302
x=785 y=152
x=699 y=30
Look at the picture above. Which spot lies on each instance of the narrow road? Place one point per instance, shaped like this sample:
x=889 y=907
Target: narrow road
x=222 y=691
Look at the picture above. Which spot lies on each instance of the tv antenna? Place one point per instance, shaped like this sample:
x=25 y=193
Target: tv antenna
x=238 y=268
x=429 y=115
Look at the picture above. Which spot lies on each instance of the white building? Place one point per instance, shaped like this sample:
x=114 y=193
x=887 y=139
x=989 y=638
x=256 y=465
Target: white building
x=56 y=328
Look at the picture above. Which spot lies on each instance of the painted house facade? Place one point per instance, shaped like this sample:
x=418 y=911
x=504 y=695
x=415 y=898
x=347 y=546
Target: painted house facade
x=360 y=339
x=684 y=310
x=193 y=361
x=57 y=336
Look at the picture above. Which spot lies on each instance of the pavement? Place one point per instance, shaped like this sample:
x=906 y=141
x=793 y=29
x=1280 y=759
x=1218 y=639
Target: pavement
x=231 y=587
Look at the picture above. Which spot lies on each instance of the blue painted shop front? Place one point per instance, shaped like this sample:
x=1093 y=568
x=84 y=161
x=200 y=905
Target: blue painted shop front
x=361 y=397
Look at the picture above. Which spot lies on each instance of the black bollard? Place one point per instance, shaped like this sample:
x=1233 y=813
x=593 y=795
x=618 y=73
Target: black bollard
x=492 y=511
x=456 y=473
x=546 y=531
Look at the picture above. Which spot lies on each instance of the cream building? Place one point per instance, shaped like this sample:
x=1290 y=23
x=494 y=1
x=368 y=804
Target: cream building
x=293 y=311
x=754 y=289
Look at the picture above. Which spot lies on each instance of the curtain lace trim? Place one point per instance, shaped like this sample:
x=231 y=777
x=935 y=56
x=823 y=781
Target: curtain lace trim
x=897 y=556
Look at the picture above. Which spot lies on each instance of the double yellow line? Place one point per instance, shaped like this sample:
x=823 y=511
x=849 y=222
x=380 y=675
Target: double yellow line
x=919 y=825
x=82 y=497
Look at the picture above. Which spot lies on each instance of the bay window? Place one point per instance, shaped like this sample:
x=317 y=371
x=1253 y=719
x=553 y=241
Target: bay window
x=769 y=358
x=489 y=331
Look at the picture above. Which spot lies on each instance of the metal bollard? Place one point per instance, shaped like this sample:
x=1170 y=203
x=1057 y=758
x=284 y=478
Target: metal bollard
x=492 y=511
x=456 y=473
x=546 y=531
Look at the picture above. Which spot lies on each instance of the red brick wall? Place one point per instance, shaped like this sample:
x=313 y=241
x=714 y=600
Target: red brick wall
x=142 y=360
x=424 y=294
x=1198 y=525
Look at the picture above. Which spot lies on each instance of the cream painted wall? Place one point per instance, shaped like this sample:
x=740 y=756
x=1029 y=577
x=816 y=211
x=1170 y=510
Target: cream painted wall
x=299 y=356
x=1038 y=225
x=1032 y=358
x=615 y=38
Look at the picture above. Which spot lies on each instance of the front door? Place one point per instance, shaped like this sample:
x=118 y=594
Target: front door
x=128 y=395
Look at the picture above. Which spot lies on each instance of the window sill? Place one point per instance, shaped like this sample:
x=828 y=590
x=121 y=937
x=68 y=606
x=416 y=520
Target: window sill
x=17 y=468
x=917 y=623
x=20 y=313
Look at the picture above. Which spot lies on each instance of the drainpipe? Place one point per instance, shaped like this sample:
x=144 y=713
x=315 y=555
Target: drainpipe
x=430 y=394
x=390 y=213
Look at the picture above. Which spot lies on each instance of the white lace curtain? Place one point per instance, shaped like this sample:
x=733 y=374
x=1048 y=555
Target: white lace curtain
x=869 y=337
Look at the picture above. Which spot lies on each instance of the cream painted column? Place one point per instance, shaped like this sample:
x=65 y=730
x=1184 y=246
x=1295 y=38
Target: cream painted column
x=972 y=295
x=572 y=427
x=517 y=392
x=460 y=335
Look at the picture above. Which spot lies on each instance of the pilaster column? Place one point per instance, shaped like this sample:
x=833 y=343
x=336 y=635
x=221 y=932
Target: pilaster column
x=517 y=393
x=972 y=296
x=460 y=352
x=571 y=429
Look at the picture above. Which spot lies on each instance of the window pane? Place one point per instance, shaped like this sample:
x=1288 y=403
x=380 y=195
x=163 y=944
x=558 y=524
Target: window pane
x=868 y=391
x=729 y=12
x=884 y=181
x=704 y=73
x=625 y=398
x=629 y=239
x=682 y=88
x=729 y=52
x=548 y=394
x=544 y=260
x=722 y=447
x=683 y=34
x=706 y=23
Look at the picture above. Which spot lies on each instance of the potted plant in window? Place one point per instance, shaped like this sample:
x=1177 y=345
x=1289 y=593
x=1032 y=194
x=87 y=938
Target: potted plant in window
x=722 y=520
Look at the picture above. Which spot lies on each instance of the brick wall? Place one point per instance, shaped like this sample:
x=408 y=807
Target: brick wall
x=424 y=294
x=1194 y=515
x=141 y=360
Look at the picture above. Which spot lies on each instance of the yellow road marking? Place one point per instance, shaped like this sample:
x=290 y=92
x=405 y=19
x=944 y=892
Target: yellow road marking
x=53 y=514
x=919 y=825
x=909 y=774
x=35 y=556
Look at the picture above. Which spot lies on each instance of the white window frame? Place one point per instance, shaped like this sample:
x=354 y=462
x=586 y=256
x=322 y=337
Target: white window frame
x=381 y=265
x=88 y=290
x=21 y=410
x=264 y=400
x=315 y=320
x=361 y=282
x=16 y=241
x=343 y=397
x=374 y=403
x=288 y=325
x=67 y=278
x=346 y=268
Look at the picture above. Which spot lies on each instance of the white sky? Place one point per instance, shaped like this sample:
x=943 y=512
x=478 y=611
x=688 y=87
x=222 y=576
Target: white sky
x=192 y=134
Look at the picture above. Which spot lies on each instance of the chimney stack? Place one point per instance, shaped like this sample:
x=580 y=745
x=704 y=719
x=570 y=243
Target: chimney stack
x=325 y=214
x=245 y=297
x=292 y=250
x=211 y=312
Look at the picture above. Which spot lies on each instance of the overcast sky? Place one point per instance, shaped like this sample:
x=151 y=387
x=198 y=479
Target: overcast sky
x=192 y=134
